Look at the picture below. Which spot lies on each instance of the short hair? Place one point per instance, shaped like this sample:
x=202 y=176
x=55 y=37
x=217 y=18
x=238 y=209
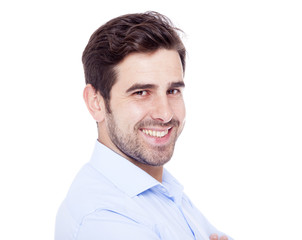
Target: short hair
x=113 y=41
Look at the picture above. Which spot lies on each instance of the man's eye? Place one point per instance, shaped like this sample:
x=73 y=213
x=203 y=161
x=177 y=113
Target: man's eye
x=141 y=93
x=173 y=91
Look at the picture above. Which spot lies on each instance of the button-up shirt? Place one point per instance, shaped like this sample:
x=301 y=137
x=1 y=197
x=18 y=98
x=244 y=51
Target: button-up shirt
x=113 y=199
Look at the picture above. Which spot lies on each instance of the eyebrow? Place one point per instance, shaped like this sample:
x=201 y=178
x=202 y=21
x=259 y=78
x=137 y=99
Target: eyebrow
x=180 y=84
x=139 y=86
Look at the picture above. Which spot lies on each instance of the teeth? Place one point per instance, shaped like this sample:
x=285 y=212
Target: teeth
x=158 y=134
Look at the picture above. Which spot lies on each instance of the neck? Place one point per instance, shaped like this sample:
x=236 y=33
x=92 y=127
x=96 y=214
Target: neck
x=154 y=171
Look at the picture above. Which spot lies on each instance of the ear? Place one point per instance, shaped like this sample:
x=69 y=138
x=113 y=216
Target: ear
x=94 y=102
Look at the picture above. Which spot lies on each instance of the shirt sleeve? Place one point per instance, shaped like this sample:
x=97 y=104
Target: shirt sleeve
x=109 y=225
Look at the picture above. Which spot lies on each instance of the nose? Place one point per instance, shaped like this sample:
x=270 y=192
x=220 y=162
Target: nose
x=161 y=109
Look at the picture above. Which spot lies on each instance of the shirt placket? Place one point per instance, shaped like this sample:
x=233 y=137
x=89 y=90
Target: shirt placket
x=174 y=204
x=193 y=225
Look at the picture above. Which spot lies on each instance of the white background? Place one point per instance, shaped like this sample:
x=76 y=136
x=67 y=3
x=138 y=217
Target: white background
x=239 y=155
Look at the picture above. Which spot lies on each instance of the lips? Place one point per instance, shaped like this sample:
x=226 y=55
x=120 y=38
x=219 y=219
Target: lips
x=156 y=133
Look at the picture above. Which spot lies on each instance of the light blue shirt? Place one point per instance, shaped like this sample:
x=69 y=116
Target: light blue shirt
x=112 y=199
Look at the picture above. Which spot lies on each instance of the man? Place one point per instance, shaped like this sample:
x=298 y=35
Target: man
x=134 y=67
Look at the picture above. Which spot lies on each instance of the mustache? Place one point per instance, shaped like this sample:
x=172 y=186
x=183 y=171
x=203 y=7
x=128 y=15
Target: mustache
x=155 y=123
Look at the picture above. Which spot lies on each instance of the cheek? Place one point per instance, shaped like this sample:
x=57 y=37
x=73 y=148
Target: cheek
x=130 y=114
x=136 y=110
x=180 y=111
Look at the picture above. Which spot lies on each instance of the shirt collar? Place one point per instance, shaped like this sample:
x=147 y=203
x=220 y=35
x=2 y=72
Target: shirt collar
x=122 y=173
x=174 y=188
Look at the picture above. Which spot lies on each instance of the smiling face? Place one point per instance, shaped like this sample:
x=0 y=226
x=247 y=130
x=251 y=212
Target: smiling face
x=147 y=108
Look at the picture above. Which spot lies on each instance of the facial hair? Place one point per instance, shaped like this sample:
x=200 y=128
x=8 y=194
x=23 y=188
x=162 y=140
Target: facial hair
x=135 y=148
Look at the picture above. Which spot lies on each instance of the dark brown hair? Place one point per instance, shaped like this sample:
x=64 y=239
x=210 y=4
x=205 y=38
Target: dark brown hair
x=113 y=41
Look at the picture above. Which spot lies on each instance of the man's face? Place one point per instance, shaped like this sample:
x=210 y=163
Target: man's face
x=147 y=107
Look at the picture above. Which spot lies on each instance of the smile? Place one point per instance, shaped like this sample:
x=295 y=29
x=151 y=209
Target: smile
x=155 y=133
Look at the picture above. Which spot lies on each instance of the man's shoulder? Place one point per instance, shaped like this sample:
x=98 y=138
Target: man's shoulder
x=93 y=196
x=90 y=192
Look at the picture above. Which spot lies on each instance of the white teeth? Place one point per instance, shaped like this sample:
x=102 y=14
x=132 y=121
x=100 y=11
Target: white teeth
x=158 y=134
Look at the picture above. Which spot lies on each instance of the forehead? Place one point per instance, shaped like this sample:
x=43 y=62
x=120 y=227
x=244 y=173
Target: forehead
x=159 y=68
